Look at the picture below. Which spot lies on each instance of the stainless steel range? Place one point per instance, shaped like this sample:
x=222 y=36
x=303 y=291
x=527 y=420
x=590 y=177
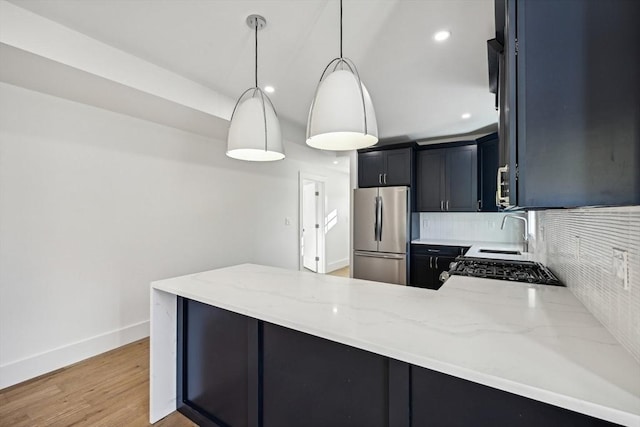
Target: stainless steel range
x=518 y=271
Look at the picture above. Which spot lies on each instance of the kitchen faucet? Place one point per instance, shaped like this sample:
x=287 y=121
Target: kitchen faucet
x=525 y=244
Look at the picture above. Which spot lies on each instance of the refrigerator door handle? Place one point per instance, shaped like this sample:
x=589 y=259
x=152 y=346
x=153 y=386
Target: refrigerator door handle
x=375 y=224
x=380 y=208
x=378 y=255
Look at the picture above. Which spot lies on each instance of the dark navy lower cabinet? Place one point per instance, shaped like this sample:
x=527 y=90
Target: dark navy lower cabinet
x=236 y=371
x=312 y=382
x=442 y=400
x=213 y=370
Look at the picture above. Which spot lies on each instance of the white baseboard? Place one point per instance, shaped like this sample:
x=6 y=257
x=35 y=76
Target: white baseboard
x=38 y=364
x=337 y=265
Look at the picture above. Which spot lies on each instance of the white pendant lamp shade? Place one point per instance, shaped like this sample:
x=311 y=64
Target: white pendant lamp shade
x=342 y=115
x=254 y=132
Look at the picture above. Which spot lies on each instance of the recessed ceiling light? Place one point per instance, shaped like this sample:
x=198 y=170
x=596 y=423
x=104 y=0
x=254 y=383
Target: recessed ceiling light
x=466 y=115
x=441 y=36
x=269 y=89
x=335 y=162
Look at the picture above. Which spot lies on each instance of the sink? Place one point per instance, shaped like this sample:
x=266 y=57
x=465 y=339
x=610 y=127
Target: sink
x=498 y=251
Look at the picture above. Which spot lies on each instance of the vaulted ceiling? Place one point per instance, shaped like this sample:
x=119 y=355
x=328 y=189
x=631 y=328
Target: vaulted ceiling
x=420 y=88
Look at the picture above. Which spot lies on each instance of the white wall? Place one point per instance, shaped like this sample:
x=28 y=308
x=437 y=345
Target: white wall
x=337 y=199
x=95 y=205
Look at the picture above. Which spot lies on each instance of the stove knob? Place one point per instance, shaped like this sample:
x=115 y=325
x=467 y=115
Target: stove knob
x=444 y=276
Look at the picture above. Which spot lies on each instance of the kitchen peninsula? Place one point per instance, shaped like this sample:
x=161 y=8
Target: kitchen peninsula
x=505 y=350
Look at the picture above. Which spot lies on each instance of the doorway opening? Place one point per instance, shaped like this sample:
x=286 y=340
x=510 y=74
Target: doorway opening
x=312 y=207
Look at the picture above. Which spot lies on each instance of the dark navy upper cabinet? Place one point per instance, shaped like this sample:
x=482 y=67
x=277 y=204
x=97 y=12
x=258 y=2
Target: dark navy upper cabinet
x=387 y=167
x=430 y=189
x=487 y=166
x=447 y=179
x=461 y=179
x=570 y=102
x=370 y=167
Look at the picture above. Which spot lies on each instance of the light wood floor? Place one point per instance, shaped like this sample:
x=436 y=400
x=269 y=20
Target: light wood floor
x=111 y=389
x=343 y=272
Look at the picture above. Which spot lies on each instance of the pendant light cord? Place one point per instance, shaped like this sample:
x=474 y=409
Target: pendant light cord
x=256 y=32
x=340 y=28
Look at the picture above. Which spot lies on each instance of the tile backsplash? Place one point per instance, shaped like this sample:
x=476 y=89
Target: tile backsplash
x=578 y=245
x=474 y=226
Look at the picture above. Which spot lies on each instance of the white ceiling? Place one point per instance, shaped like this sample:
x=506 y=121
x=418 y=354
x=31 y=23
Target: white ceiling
x=419 y=87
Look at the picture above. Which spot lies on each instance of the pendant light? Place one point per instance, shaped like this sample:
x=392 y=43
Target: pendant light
x=254 y=130
x=341 y=116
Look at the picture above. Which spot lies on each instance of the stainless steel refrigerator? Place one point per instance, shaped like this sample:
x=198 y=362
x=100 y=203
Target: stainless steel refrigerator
x=380 y=232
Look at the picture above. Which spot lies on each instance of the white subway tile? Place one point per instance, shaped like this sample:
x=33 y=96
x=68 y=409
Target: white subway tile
x=590 y=275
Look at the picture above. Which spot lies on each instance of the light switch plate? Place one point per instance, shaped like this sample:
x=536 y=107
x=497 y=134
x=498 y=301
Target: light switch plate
x=621 y=267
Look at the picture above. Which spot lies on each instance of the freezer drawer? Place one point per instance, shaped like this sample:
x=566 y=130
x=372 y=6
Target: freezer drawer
x=380 y=267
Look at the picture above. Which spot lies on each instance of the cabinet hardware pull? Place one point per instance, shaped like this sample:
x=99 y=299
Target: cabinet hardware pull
x=379 y=178
x=447 y=205
x=441 y=205
x=436 y=263
x=384 y=179
x=430 y=262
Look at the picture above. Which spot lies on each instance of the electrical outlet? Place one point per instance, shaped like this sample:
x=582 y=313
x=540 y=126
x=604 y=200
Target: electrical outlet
x=621 y=267
x=287 y=221
x=425 y=223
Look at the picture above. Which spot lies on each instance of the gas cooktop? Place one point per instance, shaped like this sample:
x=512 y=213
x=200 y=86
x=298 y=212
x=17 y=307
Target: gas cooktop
x=518 y=271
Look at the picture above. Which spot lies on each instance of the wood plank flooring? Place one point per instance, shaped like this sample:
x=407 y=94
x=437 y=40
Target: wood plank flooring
x=111 y=389
x=343 y=272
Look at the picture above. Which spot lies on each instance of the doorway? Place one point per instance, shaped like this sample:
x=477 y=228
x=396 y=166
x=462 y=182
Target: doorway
x=312 y=245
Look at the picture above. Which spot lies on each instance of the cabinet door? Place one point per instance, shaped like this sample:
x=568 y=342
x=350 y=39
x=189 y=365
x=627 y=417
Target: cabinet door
x=220 y=387
x=313 y=382
x=577 y=108
x=370 y=169
x=420 y=271
x=487 y=168
x=430 y=180
x=438 y=399
x=461 y=179
x=398 y=167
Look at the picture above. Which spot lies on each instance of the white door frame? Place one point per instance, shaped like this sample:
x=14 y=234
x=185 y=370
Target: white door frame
x=321 y=180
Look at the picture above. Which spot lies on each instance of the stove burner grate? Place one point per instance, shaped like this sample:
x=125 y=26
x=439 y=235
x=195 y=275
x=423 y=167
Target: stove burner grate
x=519 y=271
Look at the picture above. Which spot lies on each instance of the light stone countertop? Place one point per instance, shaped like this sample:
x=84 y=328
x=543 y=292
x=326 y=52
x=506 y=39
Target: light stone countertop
x=533 y=340
x=475 y=247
